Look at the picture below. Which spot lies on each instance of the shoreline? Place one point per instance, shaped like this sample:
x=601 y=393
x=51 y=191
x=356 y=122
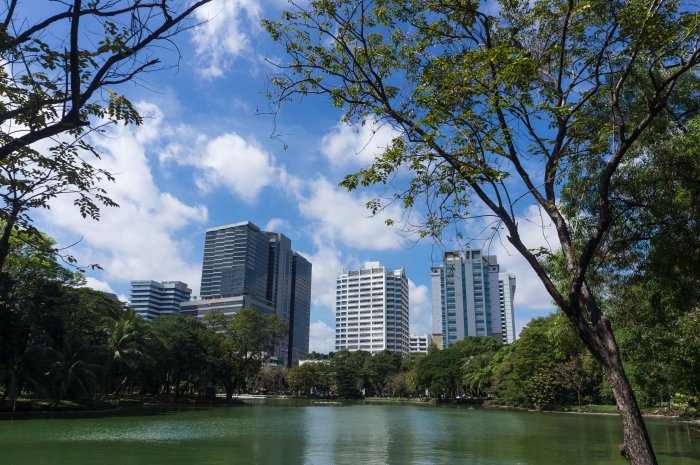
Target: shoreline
x=152 y=406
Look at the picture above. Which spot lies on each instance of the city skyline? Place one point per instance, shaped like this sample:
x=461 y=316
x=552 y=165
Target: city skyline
x=209 y=151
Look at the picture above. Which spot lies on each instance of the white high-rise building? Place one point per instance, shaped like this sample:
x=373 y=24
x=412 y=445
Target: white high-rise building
x=371 y=310
x=506 y=293
x=466 y=298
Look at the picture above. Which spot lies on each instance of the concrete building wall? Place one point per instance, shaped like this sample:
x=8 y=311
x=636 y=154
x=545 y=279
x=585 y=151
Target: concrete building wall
x=372 y=310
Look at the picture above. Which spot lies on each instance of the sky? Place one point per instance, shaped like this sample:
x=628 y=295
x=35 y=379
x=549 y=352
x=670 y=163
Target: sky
x=210 y=153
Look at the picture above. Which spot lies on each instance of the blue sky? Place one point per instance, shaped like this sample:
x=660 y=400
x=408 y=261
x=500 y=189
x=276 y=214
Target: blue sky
x=205 y=157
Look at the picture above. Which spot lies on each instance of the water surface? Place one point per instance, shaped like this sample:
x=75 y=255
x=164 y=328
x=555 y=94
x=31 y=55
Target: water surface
x=319 y=434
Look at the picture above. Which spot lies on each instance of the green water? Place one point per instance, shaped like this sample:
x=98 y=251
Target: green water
x=334 y=434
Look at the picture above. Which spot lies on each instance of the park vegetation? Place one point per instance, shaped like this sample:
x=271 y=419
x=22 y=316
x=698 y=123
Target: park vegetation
x=67 y=345
x=61 y=342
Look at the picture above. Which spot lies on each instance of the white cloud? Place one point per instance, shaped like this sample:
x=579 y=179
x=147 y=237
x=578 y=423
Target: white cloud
x=321 y=337
x=138 y=240
x=342 y=217
x=224 y=34
x=278 y=225
x=241 y=166
x=353 y=145
x=419 y=308
x=327 y=263
x=98 y=285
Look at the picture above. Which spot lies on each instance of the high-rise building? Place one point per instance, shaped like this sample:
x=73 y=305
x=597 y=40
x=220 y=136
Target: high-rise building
x=244 y=266
x=279 y=283
x=299 y=316
x=466 y=297
x=236 y=261
x=506 y=292
x=151 y=298
x=371 y=310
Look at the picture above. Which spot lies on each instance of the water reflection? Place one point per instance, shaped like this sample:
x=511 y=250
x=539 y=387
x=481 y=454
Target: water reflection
x=318 y=434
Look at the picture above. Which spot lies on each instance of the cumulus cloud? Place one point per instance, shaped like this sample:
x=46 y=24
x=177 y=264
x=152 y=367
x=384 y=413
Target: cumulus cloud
x=343 y=218
x=327 y=263
x=229 y=161
x=236 y=164
x=356 y=145
x=140 y=239
x=321 y=337
x=224 y=33
x=98 y=285
x=339 y=224
x=419 y=308
x=278 y=225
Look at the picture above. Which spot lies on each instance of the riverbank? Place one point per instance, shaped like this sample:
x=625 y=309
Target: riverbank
x=68 y=409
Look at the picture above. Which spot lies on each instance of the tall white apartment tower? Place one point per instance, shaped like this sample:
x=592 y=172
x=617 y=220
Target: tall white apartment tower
x=506 y=293
x=466 y=298
x=371 y=310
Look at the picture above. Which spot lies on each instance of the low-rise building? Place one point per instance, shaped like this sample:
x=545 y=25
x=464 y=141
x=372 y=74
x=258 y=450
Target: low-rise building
x=152 y=298
x=420 y=344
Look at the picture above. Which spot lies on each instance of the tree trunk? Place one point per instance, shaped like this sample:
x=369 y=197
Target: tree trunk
x=6 y=233
x=636 y=446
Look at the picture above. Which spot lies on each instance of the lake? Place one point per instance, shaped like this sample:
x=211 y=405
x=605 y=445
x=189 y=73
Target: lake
x=272 y=433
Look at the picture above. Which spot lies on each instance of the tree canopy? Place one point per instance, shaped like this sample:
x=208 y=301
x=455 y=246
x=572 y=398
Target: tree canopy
x=63 y=66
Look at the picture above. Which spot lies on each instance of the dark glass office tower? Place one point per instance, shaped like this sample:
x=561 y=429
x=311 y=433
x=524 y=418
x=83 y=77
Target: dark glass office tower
x=279 y=285
x=236 y=259
x=246 y=267
x=300 y=309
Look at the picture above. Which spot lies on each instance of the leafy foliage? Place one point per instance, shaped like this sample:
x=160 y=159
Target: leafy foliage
x=56 y=83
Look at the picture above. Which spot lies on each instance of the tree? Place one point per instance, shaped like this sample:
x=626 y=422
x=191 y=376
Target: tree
x=440 y=373
x=309 y=378
x=124 y=348
x=185 y=344
x=245 y=340
x=379 y=368
x=35 y=304
x=271 y=380
x=347 y=373
x=533 y=92
x=58 y=82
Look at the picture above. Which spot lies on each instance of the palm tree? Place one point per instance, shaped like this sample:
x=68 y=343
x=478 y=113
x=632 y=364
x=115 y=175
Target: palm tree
x=477 y=373
x=124 y=346
x=72 y=373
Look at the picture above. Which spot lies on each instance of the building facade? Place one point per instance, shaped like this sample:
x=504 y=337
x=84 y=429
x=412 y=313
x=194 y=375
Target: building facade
x=244 y=266
x=420 y=344
x=466 y=298
x=152 y=298
x=371 y=310
x=300 y=308
x=506 y=293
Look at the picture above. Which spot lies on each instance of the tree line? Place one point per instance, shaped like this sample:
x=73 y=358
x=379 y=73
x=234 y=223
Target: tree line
x=548 y=367
x=61 y=342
